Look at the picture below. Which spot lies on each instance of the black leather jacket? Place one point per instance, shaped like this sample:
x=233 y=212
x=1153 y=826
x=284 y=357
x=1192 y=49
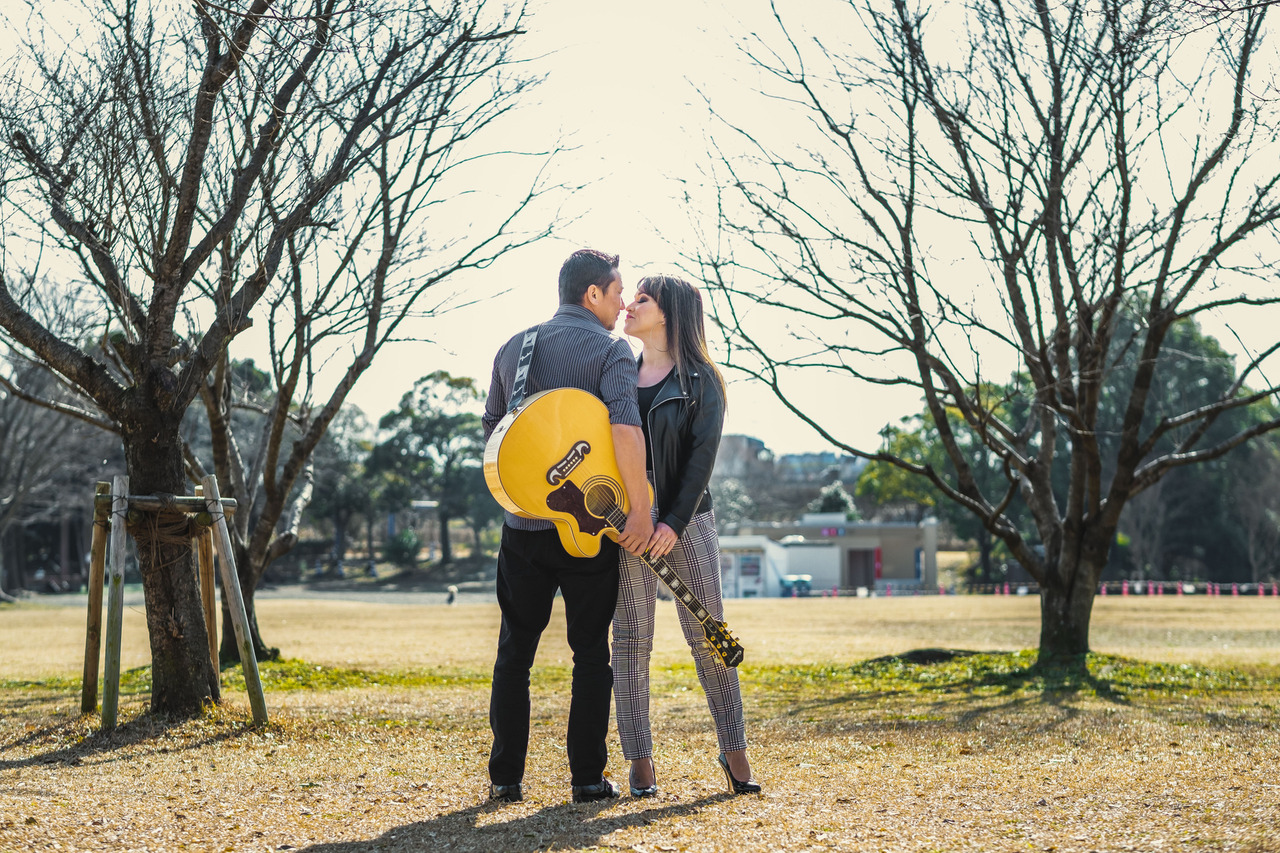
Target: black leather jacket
x=684 y=434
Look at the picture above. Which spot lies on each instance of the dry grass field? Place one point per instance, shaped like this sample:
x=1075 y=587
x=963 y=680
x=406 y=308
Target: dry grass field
x=389 y=753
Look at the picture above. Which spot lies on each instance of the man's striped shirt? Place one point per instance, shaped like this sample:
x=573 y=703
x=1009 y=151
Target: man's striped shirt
x=573 y=351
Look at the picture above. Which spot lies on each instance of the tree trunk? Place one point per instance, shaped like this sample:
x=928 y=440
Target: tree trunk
x=1066 y=607
x=228 y=651
x=340 y=536
x=182 y=676
x=986 y=571
x=4 y=595
x=446 y=547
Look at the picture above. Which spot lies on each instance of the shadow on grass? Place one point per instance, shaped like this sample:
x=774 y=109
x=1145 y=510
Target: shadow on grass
x=957 y=687
x=76 y=739
x=40 y=709
x=72 y=739
x=567 y=826
x=1000 y=673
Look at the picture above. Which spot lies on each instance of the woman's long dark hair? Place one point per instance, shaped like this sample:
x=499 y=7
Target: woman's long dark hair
x=681 y=305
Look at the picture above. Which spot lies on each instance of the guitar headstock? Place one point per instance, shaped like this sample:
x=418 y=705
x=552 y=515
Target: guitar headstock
x=722 y=642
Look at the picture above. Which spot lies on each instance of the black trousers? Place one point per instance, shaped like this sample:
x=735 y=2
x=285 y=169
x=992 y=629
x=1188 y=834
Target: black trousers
x=532 y=565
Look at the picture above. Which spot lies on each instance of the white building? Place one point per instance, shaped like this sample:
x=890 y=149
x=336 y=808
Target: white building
x=768 y=560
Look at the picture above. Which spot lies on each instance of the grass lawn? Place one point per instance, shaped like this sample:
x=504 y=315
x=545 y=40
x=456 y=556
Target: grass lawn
x=379 y=735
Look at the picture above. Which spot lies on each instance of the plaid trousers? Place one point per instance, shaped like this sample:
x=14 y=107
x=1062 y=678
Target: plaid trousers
x=696 y=559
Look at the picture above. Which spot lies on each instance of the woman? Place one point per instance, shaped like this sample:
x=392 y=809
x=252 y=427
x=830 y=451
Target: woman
x=681 y=399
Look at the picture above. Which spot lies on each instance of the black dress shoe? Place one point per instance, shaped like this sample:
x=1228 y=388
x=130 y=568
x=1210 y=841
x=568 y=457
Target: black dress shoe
x=506 y=793
x=602 y=790
x=736 y=787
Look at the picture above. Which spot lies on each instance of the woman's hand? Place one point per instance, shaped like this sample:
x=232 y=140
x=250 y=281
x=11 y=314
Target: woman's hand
x=662 y=541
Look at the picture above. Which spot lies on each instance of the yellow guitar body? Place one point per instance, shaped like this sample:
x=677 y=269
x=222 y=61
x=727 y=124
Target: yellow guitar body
x=552 y=458
x=552 y=437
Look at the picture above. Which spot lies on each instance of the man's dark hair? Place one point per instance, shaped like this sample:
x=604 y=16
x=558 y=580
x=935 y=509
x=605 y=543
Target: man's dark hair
x=584 y=268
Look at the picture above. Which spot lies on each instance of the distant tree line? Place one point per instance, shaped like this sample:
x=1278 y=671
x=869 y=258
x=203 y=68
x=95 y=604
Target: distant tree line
x=1217 y=521
x=429 y=450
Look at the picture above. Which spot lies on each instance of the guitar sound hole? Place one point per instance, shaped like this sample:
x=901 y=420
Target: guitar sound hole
x=600 y=499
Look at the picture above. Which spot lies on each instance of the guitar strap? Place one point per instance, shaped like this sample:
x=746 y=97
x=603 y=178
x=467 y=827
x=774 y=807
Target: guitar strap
x=522 y=369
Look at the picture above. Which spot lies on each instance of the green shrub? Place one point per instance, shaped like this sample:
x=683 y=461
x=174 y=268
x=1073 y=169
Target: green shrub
x=403 y=550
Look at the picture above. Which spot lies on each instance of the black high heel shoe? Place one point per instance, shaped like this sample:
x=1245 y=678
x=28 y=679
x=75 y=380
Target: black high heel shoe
x=736 y=787
x=650 y=791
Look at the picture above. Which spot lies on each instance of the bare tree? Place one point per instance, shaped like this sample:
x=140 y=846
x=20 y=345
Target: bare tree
x=34 y=445
x=206 y=168
x=976 y=192
x=1258 y=506
x=49 y=461
x=383 y=263
x=1146 y=520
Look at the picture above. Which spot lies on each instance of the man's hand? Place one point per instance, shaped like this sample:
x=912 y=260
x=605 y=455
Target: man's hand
x=663 y=541
x=639 y=530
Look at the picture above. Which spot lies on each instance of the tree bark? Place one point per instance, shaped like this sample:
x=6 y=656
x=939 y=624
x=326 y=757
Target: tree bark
x=228 y=651
x=182 y=676
x=1066 y=603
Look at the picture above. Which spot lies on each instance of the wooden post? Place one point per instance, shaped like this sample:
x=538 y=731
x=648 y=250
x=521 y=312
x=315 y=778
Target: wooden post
x=235 y=601
x=115 y=600
x=204 y=553
x=93 y=635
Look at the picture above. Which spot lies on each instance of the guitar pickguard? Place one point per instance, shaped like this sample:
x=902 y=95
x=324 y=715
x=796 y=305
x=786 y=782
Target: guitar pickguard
x=569 y=499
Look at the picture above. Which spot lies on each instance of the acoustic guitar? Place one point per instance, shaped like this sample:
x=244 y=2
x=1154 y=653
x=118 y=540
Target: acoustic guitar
x=552 y=458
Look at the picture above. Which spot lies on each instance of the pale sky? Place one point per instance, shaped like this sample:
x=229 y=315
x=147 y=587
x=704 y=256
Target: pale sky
x=621 y=91
x=617 y=91
x=621 y=105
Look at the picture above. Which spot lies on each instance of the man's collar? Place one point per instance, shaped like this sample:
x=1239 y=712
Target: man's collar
x=577 y=312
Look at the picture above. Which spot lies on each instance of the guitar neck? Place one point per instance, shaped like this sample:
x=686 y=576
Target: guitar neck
x=660 y=567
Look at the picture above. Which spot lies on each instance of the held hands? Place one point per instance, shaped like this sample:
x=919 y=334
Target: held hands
x=662 y=541
x=639 y=530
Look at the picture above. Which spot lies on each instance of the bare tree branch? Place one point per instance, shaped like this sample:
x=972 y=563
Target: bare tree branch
x=1054 y=188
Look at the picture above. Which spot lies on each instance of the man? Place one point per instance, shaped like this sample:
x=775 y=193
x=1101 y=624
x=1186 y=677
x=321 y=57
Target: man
x=573 y=350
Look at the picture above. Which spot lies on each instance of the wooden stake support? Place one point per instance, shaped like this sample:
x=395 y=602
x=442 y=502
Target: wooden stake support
x=115 y=601
x=235 y=601
x=97 y=571
x=111 y=507
x=204 y=553
x=179 y=503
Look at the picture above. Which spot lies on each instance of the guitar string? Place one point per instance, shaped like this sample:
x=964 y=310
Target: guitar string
x=679 y=587
x=665 y=572
x=618 y=519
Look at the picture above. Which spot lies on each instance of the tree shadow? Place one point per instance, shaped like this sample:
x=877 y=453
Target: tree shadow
x=567 y=825
x=81 y=742
x=945 y=699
